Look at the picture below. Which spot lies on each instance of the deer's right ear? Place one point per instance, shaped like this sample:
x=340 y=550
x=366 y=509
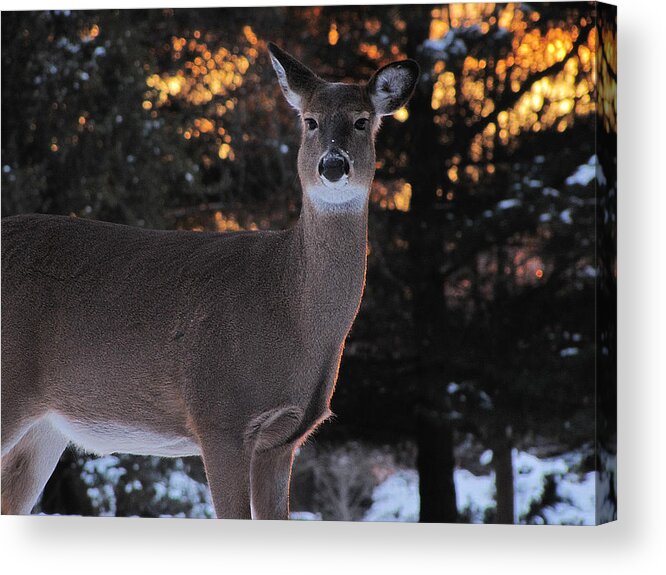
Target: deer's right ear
x=296 y=80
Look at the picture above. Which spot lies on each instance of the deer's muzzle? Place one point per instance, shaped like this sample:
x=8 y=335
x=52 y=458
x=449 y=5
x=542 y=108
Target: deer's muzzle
x=334 y=165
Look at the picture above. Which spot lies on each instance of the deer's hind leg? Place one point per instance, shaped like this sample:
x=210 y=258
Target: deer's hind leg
x=28 y=465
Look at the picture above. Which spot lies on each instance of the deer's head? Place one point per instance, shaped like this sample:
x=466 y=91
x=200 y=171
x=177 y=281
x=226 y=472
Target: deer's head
x=336 y=160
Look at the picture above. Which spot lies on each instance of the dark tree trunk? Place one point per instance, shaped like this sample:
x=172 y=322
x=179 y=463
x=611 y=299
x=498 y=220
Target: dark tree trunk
x=435 y=464
x=504 y=482
x=433 y=430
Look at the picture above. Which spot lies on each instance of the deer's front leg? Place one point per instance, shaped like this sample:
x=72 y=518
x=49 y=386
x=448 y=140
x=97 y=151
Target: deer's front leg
x=227 y=464
x=271 y=438
x=270 y=477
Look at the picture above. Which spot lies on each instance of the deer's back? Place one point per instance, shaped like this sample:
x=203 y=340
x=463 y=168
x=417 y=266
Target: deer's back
x=75 y=250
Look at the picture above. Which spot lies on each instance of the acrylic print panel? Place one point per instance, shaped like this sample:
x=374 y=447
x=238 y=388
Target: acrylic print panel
x=467 y=351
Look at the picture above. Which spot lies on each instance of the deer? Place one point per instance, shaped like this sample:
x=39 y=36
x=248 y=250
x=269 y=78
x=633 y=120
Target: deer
x=224 y=345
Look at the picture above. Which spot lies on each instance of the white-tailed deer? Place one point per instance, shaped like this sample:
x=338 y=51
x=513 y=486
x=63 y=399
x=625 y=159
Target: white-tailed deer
x=224 y=345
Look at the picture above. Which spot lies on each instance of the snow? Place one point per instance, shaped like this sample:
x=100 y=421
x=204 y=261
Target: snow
x=67 y=45
x=529 y=478
x=453 y=43
x=601 y=177
x=485 y=400
x=501 y=33
x=604 y=479
x=510 y=203
x=584 y=174
x=569 y=351
x=284 y=148
x=103 y=474
x=548 y=191
x=565 y=216
x=486 y=457
x=135 y=485
x=474 y=493
x=447 y=46
x=577 y=496
x=179 y=486
x=545 y=217
x=106 y=466
x=452 y=387
x=103 y=498
x=396 y=499
x=304 y=516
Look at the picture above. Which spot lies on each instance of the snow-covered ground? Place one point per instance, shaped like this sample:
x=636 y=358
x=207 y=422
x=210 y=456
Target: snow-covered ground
x=548 y=490
x=397 y=498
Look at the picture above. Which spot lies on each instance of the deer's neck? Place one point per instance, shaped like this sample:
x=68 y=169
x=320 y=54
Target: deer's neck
x=330 y=240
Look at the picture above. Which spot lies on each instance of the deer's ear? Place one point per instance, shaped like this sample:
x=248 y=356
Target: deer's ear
x=296 y=80
x=391 y=87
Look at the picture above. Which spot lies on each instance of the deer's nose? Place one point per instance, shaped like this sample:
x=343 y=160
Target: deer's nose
x=333 y=165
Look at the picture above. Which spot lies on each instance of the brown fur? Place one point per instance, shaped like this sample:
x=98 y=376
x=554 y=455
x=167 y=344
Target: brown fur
x=180 y=343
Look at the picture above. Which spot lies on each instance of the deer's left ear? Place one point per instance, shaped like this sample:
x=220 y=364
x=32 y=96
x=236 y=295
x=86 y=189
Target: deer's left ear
x=391 y=87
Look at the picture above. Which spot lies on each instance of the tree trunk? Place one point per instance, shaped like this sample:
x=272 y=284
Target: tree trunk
x=502 y=459
x=433 y=430
x=435 y=462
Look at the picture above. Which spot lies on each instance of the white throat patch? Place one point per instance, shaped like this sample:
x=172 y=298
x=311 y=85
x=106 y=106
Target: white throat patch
x=338 y=196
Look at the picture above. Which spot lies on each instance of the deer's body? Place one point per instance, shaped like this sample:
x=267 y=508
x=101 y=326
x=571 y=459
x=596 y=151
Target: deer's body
x=227 y=346
x=244 y=308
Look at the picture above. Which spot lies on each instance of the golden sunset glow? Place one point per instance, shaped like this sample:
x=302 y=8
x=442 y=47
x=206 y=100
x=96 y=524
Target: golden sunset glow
x=401 y=115
x=206 y=77
x=333 y=35
x=606 y=63
x=542 y=81
x=228 y=223
x=392 y=196
x=548 y=100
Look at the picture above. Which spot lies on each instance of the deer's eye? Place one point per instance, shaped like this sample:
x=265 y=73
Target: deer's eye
x=361 y=124
x=310 y=123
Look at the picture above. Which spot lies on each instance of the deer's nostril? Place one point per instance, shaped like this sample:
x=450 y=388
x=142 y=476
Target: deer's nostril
x=333 y=166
